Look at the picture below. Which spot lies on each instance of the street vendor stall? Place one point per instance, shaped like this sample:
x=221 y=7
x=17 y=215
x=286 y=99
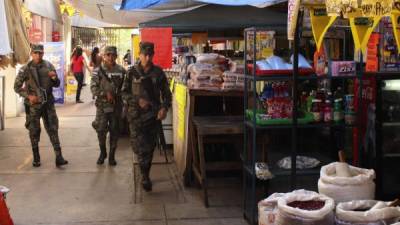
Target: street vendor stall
x=345 y=94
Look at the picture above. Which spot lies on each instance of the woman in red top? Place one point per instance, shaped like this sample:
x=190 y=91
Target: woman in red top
x=77 y=64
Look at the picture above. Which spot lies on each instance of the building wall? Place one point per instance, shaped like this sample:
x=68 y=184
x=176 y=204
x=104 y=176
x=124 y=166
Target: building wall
x=13 y=104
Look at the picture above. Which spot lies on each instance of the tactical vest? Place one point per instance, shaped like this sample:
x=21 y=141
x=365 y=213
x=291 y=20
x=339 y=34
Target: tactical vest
x=39 y=83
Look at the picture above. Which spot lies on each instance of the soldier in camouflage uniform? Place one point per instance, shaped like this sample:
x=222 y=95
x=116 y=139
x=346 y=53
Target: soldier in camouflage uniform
x=147 y=97
x=35 y=82
x=106 y=85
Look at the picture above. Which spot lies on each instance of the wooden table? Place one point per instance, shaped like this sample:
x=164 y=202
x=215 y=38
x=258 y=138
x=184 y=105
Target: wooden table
x=211 y=126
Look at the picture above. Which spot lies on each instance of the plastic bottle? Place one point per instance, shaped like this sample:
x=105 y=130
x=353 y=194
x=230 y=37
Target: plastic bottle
x=310 y=99
x=338 y=114
x=316 y=110
x=328 y=112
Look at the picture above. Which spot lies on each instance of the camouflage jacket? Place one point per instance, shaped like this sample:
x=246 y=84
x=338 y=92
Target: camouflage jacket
x=133 y=88
x=106 y=80
x=33 y=79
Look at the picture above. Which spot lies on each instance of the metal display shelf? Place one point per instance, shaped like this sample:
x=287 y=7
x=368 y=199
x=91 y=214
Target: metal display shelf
x=250 y=153
x=250 y=124
x=301 y=78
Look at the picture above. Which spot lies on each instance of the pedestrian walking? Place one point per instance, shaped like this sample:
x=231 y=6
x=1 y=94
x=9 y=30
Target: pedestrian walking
x=95 y=61
x=106 y=84
x=77 y=66
x=95 y=58
x=128 y=58
x=147 y=97
x=35 y=82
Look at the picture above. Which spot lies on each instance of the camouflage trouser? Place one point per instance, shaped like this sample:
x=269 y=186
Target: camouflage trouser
x=107 y=122
x=50 y=120
x=143 y=141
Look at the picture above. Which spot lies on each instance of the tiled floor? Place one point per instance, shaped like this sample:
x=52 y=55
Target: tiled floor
x=84 y=193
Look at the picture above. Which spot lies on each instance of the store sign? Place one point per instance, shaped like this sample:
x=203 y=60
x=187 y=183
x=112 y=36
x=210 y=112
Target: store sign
x=54 y=53
x=371 y=8
x=35 y=35
x=362 y=28
x=162 y=39
x=199 y=38
x=55 y=36
x=320 y=23
x=293 y=12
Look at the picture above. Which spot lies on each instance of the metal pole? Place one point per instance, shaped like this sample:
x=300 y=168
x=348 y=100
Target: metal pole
x=3 y=93
x=294 y=94
x=245 y=144
x=254 y=146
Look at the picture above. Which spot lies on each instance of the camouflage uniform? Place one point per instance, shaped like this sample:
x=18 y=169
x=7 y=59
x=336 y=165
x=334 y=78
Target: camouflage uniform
x=108 y=115
x=143 y=125
x=33 y=79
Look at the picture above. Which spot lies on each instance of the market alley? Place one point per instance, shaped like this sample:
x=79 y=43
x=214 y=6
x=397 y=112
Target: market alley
x=84 y=193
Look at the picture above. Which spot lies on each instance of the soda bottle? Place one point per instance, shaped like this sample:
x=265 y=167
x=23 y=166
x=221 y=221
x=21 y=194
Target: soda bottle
x=328 y=113
x=338 y=110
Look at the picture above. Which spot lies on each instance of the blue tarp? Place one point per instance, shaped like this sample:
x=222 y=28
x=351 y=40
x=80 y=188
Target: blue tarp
x=143 y=4
x=261 y=3
x=139 y=4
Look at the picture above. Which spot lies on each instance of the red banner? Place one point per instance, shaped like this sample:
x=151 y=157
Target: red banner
x=162 y=39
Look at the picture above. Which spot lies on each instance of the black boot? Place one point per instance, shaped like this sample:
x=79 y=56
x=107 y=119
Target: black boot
x=36 y=157
x=146 y=182
x=111 y=159
x=103 y=155
x=60 y=161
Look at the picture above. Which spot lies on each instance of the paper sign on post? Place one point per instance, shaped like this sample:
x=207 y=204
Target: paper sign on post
x=320 y=23
x=293 y=12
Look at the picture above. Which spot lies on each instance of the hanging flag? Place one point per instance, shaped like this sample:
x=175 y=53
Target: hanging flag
x=320 y=23
x=293 y=12
x=395 y=17
x=362 y=28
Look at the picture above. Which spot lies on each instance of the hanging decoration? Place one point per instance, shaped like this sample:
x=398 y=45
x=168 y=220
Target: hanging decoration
x=341 y=7
x=362 y=28
x=320 y=23
x=395 y=18
x=67 y=8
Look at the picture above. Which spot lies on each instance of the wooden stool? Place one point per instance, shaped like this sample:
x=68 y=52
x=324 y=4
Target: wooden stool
x=209 y=126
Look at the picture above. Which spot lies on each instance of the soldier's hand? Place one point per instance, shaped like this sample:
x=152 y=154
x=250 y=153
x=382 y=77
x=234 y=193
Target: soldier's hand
x=162 y=114
x=52 y=74
x=143 y=103
x=110 y=98
x=33 y=99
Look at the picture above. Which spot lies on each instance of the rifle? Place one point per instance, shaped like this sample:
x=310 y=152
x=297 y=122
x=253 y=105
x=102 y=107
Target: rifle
x=41 y=93
x=149 y=117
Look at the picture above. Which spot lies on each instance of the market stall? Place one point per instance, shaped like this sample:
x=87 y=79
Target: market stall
x=213 y=84
x=329 y=111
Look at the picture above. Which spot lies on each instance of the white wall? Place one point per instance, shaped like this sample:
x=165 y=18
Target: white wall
x=13 y=104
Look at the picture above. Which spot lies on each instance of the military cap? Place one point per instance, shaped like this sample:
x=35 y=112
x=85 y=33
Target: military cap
x=37 y=48
x=147 y=48
x=111 y=49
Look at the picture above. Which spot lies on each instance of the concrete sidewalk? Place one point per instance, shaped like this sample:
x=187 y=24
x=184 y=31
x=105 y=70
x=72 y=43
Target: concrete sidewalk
x=84 y=193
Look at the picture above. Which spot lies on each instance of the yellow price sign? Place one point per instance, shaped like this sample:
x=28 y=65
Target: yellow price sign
x=362 y=28
x=320 y=23
x=395 y=17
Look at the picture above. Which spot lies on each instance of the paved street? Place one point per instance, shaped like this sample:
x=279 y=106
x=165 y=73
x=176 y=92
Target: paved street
x=84 y=193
